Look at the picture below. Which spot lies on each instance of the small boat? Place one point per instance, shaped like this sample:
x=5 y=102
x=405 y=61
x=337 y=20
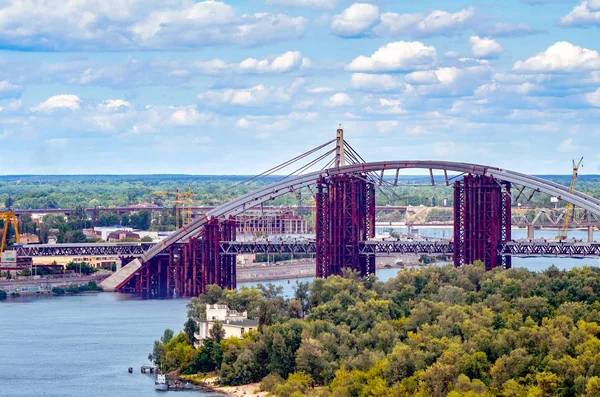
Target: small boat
x=161 y=383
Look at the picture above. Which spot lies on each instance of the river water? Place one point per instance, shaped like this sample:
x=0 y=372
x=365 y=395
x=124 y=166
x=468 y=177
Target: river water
x=82 y=345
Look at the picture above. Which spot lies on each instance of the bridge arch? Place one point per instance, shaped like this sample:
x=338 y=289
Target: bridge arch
x=280 y=188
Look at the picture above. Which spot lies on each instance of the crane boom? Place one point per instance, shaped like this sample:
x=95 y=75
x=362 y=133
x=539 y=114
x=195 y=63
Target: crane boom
x=570 y=207
x=9 y=217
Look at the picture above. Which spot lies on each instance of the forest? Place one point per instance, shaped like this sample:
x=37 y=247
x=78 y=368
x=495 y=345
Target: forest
x=435 y=331
x=90 y=191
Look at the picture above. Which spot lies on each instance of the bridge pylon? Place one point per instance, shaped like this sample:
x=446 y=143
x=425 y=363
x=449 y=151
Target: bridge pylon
x=345 y=217
x=482 y=221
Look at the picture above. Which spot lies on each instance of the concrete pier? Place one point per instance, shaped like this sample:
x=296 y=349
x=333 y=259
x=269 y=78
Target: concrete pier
x=590 y=234
x=530 y=232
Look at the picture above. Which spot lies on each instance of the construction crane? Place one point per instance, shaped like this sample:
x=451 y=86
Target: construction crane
x=562 y=235
x=9 y=217
x=189 y=205
x=178 y=201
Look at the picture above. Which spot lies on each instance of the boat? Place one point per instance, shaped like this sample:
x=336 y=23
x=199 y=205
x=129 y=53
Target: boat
x=161 y=383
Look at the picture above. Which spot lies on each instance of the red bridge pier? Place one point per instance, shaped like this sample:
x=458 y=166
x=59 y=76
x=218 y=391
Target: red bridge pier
x=345 y=216
x=186 y=270
x=482 y=220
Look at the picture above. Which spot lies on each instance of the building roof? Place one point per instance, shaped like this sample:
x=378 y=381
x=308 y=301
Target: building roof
x=242 y=323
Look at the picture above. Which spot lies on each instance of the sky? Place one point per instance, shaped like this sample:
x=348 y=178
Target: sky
x=211 y=87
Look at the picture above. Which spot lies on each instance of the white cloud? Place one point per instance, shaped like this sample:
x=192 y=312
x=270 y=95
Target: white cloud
x=313 y=4
x=586 y=13
x=291 y=60
x=567 y=146
x=340 y=99
x=63 y=101
x=508 y=30
x=188 y=115
x=436 y=22
x=8 y=90
x=484 y=47
x=422 y=77
x=375 y=82
x=258 y=95
x=150 y=24
x=356 y=20
x=593 y=98
x=242 y=123
x=560 y=57
x=114 y=104
x=320 y=90
x=398 y=56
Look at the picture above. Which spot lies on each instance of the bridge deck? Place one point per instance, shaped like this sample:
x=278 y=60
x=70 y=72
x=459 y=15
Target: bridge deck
x=440 y=247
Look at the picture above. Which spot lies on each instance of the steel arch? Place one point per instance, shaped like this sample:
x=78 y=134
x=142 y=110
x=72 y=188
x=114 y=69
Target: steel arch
x=277 y=189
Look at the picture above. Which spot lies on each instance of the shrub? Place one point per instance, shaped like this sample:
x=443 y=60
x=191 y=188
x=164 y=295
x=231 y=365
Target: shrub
x=58 y=291
x=270 y=383
x=3 y=295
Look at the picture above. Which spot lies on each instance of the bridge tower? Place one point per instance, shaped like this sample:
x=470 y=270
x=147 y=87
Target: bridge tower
x=482 y=220
x=345 y=216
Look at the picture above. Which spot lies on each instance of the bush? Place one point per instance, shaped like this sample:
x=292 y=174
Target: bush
x=270 y=383
x=3 y=295
x=58 y=291
x=297 y=382
x=72 y=289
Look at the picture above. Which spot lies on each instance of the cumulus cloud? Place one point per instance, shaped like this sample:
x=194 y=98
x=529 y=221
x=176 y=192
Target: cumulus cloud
x=356 y=20
x=398 y=56
x=593 y=98
x=340 y=99
x=63 y=101
x=258 y=95
x=313 y=4
x=286 y=62
x=484 y=47
x=422 y=77
x=361 y=19
x=585 y=14
x=560 y=57
x=375 y=82
x=188 y=115
x=151 y=24
x=437 y=22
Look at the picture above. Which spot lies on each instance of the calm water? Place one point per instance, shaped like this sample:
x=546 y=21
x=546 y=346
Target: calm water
x=82 y=345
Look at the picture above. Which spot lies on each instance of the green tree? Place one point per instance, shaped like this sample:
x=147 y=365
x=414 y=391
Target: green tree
x=190 y=327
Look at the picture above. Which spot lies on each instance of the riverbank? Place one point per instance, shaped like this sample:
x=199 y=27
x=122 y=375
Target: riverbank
x=251 y=389
x=28 y=286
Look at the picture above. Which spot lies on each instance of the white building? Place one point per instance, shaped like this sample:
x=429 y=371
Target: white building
x=106 y=230
x=234 y=323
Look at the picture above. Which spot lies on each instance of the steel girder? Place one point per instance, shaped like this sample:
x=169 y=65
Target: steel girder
x=289 y=185
x=112 y=249
x=568 y=250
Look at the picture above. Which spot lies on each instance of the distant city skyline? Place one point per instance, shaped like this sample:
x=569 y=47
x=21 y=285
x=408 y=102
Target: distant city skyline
x=234 y=88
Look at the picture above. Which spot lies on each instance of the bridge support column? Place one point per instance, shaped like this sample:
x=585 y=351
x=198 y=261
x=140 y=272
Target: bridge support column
x=345 y=216
x=482 y=220
x=216 y=268
x=530 y=232
x=590 y=234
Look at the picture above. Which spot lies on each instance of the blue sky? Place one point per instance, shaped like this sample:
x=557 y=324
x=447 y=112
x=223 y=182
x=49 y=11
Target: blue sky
x=178 y=86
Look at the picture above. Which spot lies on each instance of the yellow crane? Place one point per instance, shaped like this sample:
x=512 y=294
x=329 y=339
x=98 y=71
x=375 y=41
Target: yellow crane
x=183 y=205
x=9 y=217
x=178 y=201
x=569 y=210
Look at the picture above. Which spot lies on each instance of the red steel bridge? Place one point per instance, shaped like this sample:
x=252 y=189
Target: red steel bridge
x=203 y=252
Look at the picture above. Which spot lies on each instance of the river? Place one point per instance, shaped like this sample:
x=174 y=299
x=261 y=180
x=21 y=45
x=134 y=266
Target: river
x=82 y=345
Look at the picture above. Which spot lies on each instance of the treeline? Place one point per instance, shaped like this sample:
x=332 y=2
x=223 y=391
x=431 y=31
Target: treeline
x=437 y=332
x=24 y=192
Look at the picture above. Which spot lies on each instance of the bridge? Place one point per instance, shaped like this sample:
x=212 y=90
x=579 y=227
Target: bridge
x=203 y=253
x=523 y=248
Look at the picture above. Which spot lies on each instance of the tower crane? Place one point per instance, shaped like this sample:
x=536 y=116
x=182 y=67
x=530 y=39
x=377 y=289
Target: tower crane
x=9 y=217
x=562 y=235
x=178 y=201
